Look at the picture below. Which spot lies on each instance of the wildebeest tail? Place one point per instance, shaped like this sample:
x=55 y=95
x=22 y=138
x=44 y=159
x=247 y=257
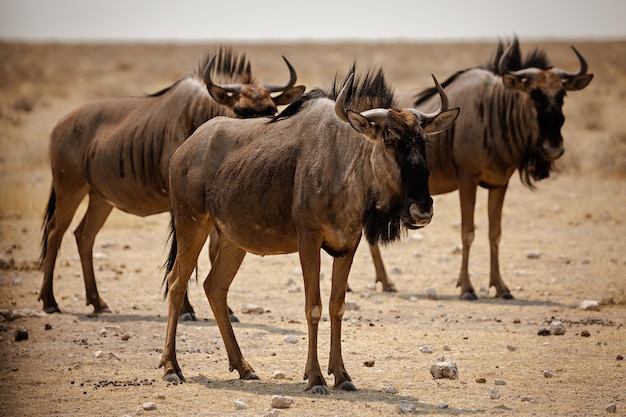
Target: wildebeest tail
x=169 y=264
x=47 y=216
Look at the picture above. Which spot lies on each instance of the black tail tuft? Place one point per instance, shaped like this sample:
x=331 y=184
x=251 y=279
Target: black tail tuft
x=47 y=216
x=169 y=264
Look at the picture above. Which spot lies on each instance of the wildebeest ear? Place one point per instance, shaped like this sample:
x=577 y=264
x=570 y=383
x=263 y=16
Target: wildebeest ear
x=578 y=82
x=361 y=124
x=513 y=81
x=221 y=96
x=442 y=121
x=289 y=95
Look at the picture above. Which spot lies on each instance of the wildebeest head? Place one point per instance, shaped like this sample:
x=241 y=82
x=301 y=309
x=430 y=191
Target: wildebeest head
x=398 y=161
x=546 y=86
x=246 y=99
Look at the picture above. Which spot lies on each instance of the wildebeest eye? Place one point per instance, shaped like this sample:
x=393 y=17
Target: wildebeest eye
x=391 y=137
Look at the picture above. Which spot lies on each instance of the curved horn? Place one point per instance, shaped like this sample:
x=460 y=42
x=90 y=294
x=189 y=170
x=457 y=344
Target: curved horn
x=206 y=76
x=340 y=102
x=583 y=67
x=292 y=79
x=445 y=104
x=503 y=65
x=375 y=115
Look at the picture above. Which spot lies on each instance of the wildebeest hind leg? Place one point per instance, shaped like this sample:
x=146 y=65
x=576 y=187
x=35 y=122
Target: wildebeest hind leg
x=496 y=201
x=225 y=266
x=97 y=212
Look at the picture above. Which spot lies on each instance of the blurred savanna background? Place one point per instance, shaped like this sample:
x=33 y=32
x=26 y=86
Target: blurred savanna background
x=53 y=59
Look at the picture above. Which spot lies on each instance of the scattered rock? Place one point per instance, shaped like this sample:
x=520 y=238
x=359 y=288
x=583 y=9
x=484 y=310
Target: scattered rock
x=291 y=339
x=47 y=326
x=499 y=381
x=240 y=404
x=426 y=349
x=98 y=354
x=526 y=399
x=481 y=380
x=21 y=334
x=407 y=406
x=159 y=396
x=278 y=375
x=494 y=394
x=446 y=348
x=619 y=357
x=517 y=321
x=431 y=294
x=369 y=363
x=443 y=405
x=396 y=271
x=446 y=369
x=149 y=406
x=511 y=347
x=544 y=332
x=352 y=306
x=589 y=305
x=272 y=413
x=557 y=328
x=611 y=408
x=547 y=373
x=252 y=309
x=533 y=254
x=390 y=390
x=585 y=333
x=281 y=401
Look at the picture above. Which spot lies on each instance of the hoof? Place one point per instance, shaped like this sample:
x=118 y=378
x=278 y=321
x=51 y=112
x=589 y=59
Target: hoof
x=507 y=296
x=251 y=376
x=469 y=296
x=187 y=317
x=391 y=288
x=347 y=386
x=348 y=289
x=174 y=377
x=233 y=318
x=52 y=310
x=318 y=389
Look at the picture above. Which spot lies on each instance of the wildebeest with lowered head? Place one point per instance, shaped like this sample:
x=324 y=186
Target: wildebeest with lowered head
x=117 y=151
x=511 y=120
x=332 y=164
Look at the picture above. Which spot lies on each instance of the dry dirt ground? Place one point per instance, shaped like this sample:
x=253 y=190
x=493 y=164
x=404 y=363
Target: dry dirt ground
x=562 y=244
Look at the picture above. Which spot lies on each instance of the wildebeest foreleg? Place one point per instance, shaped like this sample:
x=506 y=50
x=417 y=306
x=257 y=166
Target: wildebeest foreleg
x=381 y=274
x=309 y=252
x=97 y=212
x=61 y=209
x=336 y=308
x=467 y=194
x=225 y=266
x=190 y=236
x=496 y=201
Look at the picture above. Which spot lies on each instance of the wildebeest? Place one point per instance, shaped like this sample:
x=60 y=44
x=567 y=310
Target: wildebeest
x=117 y=151
x=332 y=164
x=511 y=120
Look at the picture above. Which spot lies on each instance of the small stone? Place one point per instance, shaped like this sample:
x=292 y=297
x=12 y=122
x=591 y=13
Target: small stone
x=281 y=401
x=47 y=326
x=274 y=412
x=526 y=399
x=390 y=390
x=149 y=406
x=442 y=405
x=291 y=339
x=431 y=294
x=426 y=349
x=585 y=333
x=517 y=321
x=544 y=332
x=352 y=306
x=557 y=328
x=159 y=396
x=252 y=309
x=21 y=334
x=589 y=305
x=446 y=348
x=407 y=406
x=611 y=408
x=481 y=380
x=499 y=381
x=369 y=363
x=240 y=404
x=278 y=375
x=494 y=394
x=619 y=357
x=547 y=373
x=511 y=347
x=396 y=270
x=446 y=369
x=533 y=254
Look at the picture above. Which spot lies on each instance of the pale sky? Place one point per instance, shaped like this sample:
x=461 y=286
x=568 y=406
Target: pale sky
x=317 y=20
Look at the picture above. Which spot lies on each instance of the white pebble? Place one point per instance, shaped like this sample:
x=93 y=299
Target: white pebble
x=352 y=306
x=494 y=394
x=278 y=375
x=390 y=390
x=499 y=381
x=511 y=347
x=426 y=349
x=589 y=305
x=431 y=294
x=533 y=254
x=413 y=298
x=407 y=407
x=281 y=401
x=443 y=405
x=240 y=404
x=547 y=373
x=396 y=270
x=557 y=328
x=445 y=369
x=149 y=406
x=291 y=339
